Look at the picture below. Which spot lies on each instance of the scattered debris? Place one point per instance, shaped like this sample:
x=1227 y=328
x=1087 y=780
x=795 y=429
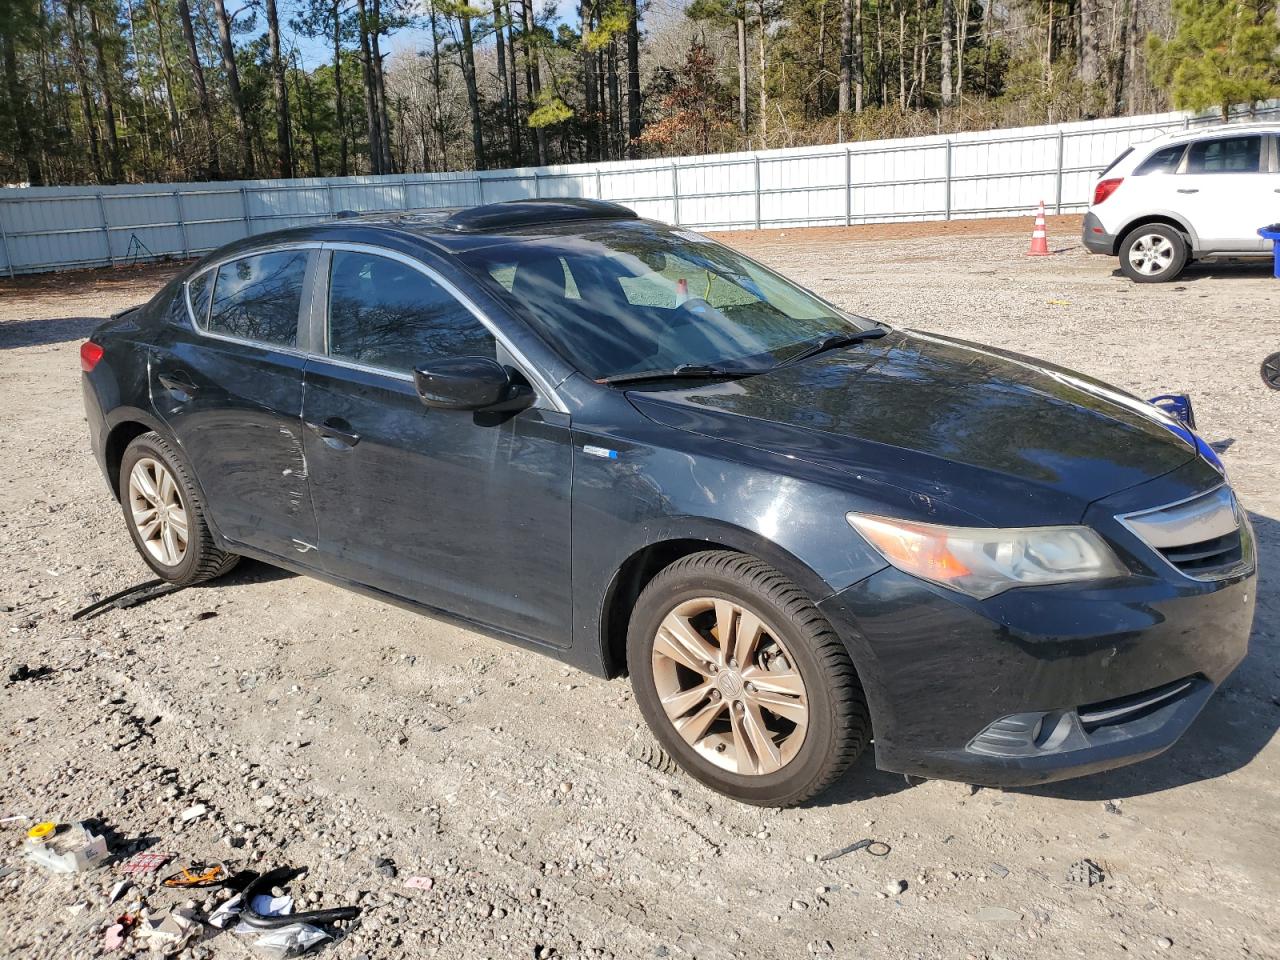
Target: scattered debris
x=119 y=889
x=895 y=887
x=253 y=895
x=1085 y=872
x=419 y=883
x=193 y=813
x=140 y=864
x=874 y=847
x=67 y=851
x=118 y=931
x=1111 y=806
x=998 y=869
x=23 y=672
x=227 y=913
x=198 y=875
x=286 y=941
x=42 y=832
x=131 y=597
x=171 y=929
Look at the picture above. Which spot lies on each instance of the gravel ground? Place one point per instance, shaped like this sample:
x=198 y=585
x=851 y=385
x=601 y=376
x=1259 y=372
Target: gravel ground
x=324 y=730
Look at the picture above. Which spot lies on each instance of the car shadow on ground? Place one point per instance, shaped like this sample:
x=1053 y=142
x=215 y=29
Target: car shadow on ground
x=249 y=571
x=1218 y=270
x=39 y=333
x=1236 y=724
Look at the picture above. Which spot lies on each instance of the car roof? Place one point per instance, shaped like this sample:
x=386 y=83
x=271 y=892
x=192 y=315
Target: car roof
x=1214 y=130
x=447 y=229
x=494 y=217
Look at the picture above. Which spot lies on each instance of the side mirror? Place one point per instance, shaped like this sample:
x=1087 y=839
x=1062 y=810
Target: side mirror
x=470 y=383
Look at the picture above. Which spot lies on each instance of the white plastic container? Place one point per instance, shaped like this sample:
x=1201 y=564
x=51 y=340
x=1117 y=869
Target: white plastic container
x=71 y=851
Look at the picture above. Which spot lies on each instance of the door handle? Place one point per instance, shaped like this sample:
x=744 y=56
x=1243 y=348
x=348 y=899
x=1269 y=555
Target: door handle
x=178 y=384
x=1188 y=189
x=335 y=432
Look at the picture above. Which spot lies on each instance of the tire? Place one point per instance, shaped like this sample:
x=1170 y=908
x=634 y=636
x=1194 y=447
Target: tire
x=1153 y=253
x=701 y=592
x=151 y=459
x=1271 y=371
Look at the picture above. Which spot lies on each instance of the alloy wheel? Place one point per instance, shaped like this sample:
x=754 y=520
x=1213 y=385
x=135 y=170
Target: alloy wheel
x=159 y=515
x=729 y=686
x=1151 y=254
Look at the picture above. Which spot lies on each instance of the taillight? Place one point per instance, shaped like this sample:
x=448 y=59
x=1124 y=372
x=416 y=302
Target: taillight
x=1105 y=188
x=90 y=354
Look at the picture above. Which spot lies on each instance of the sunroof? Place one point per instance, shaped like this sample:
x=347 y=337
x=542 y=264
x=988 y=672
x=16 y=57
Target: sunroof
x=527 y=213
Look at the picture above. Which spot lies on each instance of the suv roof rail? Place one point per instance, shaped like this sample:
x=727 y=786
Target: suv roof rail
x=527 y=213
x=1219 y=126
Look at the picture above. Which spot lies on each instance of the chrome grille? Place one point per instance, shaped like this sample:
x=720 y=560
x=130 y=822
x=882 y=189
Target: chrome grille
x=1203 y=537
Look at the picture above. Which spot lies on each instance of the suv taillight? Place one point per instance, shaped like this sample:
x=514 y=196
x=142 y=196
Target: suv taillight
x=1105 y=188
x=90 y=354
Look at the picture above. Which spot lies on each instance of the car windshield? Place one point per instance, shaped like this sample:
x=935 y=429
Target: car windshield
x=630 y=297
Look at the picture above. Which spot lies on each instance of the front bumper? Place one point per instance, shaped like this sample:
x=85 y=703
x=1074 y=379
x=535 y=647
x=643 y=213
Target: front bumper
x=1095 y=237
x=1039 y=684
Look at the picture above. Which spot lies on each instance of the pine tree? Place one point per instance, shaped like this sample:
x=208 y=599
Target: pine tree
x=1223 y=54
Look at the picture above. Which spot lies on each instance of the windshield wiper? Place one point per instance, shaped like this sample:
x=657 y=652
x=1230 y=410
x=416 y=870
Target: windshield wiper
x=686 y=371
x=832 y=341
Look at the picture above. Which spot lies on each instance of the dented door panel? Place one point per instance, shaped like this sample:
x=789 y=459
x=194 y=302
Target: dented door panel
x=236 y=410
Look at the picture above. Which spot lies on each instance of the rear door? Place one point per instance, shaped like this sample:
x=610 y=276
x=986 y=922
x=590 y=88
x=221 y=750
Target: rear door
x=463 y=511
x=1227 y=190
x=229 y=386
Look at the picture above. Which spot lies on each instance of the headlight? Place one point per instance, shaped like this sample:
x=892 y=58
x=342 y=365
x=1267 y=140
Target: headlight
x=984 y=561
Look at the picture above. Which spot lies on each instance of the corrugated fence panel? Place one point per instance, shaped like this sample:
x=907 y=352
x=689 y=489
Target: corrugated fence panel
x=993 y=173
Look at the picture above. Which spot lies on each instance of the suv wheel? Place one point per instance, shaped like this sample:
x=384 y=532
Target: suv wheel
x=742 y=680
x=165 y=515
x=1153 y=253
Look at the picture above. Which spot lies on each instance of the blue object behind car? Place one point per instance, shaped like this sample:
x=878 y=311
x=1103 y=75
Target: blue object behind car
x=638 y=451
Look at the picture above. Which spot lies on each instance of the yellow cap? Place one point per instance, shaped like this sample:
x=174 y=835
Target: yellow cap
x=42 y=831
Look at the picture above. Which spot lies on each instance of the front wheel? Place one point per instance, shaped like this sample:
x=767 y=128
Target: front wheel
x=1155 y=253
x=743 y=681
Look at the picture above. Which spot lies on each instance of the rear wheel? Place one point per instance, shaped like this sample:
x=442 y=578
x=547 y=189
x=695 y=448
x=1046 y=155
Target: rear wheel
x=743 y=681
x=165 y=515
x=1153 y=253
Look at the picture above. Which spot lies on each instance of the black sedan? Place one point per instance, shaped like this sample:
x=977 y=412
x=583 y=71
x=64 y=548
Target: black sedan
x=637 y=450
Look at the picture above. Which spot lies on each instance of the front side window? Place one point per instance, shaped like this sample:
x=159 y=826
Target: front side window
x=1164 y=160
x=630 y=297
x=257 y=298
x=384 y=313
x=1228 y=155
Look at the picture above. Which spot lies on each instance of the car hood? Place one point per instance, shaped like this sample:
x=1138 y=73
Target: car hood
x=940 y=428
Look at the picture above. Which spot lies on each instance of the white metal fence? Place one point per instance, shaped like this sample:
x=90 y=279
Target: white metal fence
x=963 y=175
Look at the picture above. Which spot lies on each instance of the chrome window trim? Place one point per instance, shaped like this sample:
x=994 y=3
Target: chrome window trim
x=1237 y=513
x=232 y=258
x=527 y=368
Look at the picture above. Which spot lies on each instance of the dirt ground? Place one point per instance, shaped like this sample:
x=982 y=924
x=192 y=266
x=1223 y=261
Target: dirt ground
x=324 y=730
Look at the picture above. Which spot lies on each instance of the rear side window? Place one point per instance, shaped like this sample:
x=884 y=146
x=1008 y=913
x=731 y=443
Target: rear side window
x=1228 y=155
x=200 y=291
x=1164 y=160
x=387 y=314
x=257 y=298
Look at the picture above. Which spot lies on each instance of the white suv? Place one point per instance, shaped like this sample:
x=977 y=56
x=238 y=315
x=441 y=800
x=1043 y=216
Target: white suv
x=1187 y=196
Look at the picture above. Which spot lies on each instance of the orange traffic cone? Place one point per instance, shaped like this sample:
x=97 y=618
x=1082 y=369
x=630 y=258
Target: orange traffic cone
x=1039 y=239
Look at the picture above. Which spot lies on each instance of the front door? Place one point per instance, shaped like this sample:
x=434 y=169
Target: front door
x=230 y=389
x=466 y=512
x=1227 y=192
